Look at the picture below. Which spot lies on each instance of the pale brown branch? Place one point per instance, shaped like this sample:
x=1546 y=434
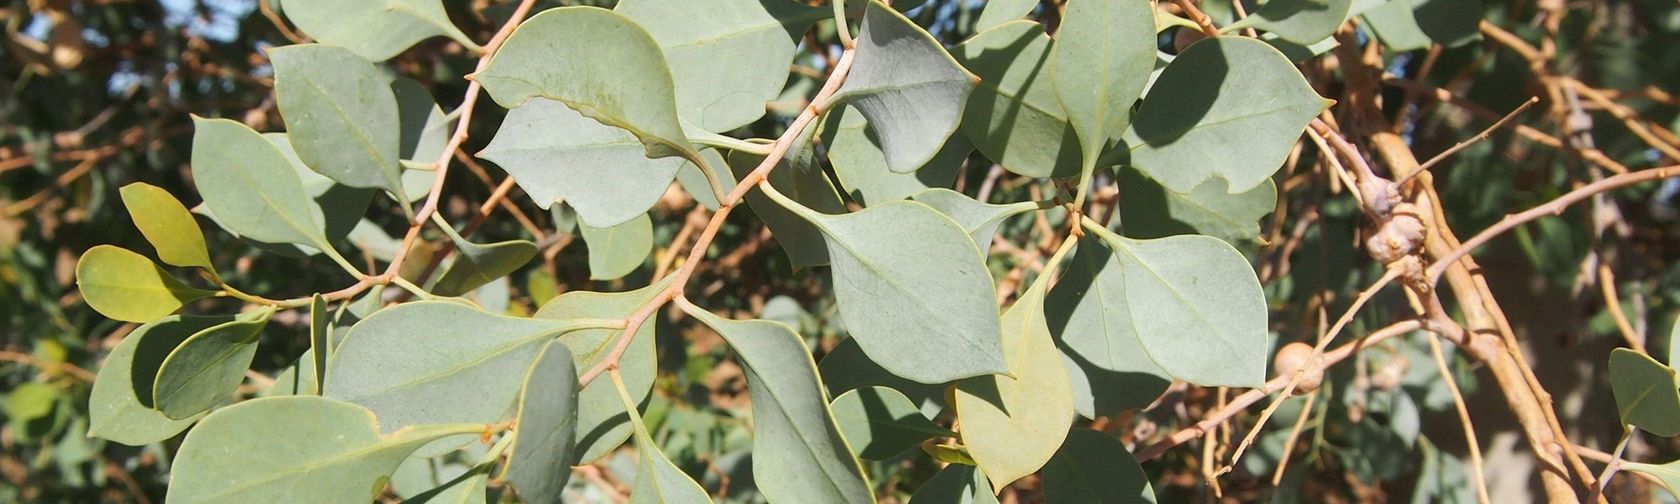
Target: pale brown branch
x=1472 y=140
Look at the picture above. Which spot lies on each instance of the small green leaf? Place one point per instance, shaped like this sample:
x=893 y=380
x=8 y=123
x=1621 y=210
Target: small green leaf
x=699 y=37
x=476 y=265
x=797 y=176
x=908 y=87
x=127 y=286
x=602 y=426
x=1647 y=394
x=618 y=250
x=341 y=115
x=861 y=166
x=998 y=12
x=981 y=220
x=1089 y=314
x=555 y=153
x=250 y=185
x=1013 y=425
x=959 y=483
x=540 y=460
x=375 y=29
x=1228 y=107
x=1013 y=116
x=584 y=56
x=1099 y=65
x=1094 y=467
x=1299 y=21
x=1148 y=210
x=167 y=225
x=1404 y=25
x=320 y=336
x=847 y=368
x=792 y=423
x=293 y=449
x=115 y=409
x=425 y=132
x=658 y=481
x=881 y=423
x=1674 y=345
x=1668 y=474
x=206 y=368
x=694 y=181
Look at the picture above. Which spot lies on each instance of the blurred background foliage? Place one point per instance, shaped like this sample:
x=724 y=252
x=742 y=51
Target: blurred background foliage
x=97 y=94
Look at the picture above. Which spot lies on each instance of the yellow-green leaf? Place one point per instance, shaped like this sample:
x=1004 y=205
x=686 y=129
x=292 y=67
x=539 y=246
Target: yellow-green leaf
x=127 y=286
x=168 y=225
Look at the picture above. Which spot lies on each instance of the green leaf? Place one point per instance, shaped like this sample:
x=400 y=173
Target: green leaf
x=861 y=166
x=602 y=425
x=540 y=459
x=555 y=153
x=585 y=56
x=1299 y=21
x=430 y=362
x=797 y=176
x=167 y=225
x=115 y=409
x=425 y=132
x=1647 y=394
x=476 y=265
x=338 y=207
x=1228 y=107
x=694 y=181
x=1674 y=345
x=293 y=449
x=981 y=220
x=998 y=12
x=127 y=286
x=251 y=187
x=1404 y=25
x=1094 y=467
x=618 y=250
x=793 y=427
x=207 y=367
x=1089 y=314
x=657 y=479
x=341 y=115
x=1099 y=65
x=699 y=37
x=1012 y=425
x=1668 y=474
x=881 y=423
x=908 y=87
x=375 y=29
x=956 y=483
x=942 y=292
x=320 y=339
x=468 y=488
x=1196 y=306
x=1149 y=210
x=1014 y=117
x=847 y=368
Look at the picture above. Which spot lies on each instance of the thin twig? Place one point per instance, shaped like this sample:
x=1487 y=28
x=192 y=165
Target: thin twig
x=1477 y=469
x=1614 y=464
x=1472 y=140
x=1613 y=303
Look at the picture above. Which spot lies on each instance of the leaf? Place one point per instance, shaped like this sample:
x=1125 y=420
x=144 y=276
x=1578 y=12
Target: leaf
x=375 y=29
x=431 y=362
x=293 y=449
x=115 y=408
x=618 y=250
x=1094 y=467
x=798 y=177
x=657 y=479
x=1148 y=210
x=320 y=336
x=979 y=219
x=425 y=133
x=694 y=181
x=908 y=87
x=1299 y=21
x=1667 y=474
x=1674 y=345
x=1099 y=65
x=476 y=265
x=555 y=153
x=468 y=488
x=881 y=423
x=1404 y=25
x=338 y=207
x=250 y=186
x=1089 y=314
x=846 y=368
x=793 y=426
x=540 y=459
x=127 y=286
x=998 y=12
x=1202 y=120
x=1196 y=306
x=207 y=367
x=699 y=37
x=1647 y=394
x=167 y=225
x=602 y=425
x=1013 y=116
x=1012 y=425
x=340 y=114
x=942 y=293
x=956 y=483
x=862 y=168
x=584 y=56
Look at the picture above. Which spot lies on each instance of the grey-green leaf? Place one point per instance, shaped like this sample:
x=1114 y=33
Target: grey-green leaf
x=555 y=153
x=320 y=340
x=1089 y=315
x=700 y=37
x=981 y=220
x=1668 y=474
x=1094 y=467
x=115 y=409
x=375 y=29
x=1013 y=116
x=598 y=62
x=956 y=484
x=1203 y=119
x=801 y=179
x=540 y=460
x=1149 y=210
x=293 y=449
x=910 y=89
x=476 y=265
x=1647 y=394
x=847 y=368
x=618 y=250
x=1099 y=65
x=425 y=132
x=881 y=423
x=998 y=12
x=861 y=165
x=336 y=206
x=793 y=427
x=602 y=426
x=1299 y=21
x=250 y=185
x=341 y=115
x=658 y=481
x=208 y=366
